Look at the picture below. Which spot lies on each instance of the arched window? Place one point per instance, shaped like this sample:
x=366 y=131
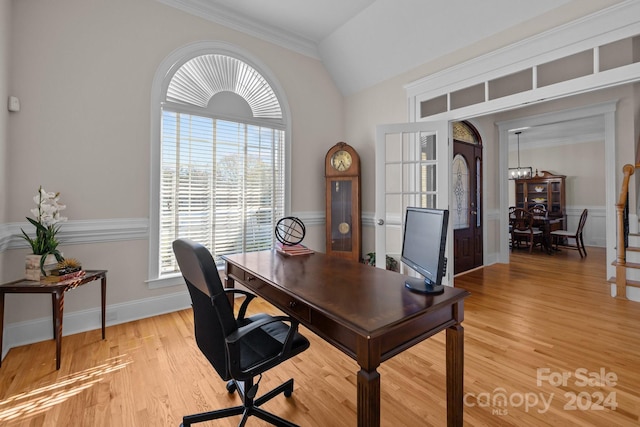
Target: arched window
x=465 y=132
x=460 y=185
x=222 y=158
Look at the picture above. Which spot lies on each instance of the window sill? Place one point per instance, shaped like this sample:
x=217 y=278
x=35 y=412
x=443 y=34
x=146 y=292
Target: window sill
x=165 y=281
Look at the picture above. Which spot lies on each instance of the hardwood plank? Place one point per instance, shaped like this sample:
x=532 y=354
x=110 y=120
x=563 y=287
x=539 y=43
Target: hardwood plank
x=539 y=312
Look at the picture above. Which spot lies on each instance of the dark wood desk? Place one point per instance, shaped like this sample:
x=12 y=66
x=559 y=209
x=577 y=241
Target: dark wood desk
x=364 y=311
x=57 y=291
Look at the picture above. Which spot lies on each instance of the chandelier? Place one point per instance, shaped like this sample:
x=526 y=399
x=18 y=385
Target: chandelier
x=523 y=172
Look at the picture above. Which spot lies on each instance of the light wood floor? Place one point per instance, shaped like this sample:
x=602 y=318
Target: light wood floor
x=539 y=313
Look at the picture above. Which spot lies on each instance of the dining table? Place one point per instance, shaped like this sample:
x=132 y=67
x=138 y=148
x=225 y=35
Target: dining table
x=547 y=224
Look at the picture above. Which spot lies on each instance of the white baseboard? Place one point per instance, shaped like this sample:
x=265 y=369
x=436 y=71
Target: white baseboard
x=490 y=258
x=633 y=293
x=22 y=333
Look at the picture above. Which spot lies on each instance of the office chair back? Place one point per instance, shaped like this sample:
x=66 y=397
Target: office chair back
x=213 y=314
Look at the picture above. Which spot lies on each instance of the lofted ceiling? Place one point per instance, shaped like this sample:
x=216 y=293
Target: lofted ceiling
x=364 y=42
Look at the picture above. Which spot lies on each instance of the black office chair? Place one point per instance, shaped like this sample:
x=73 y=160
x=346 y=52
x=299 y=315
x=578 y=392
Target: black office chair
x=238 y=348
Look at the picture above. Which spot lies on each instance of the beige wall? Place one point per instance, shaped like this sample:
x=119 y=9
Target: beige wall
x=636 y=115
x=387 y=103
x=362 y=116
x=581 y=163
x=627 y=101
x=5 y=33
x=83 y=71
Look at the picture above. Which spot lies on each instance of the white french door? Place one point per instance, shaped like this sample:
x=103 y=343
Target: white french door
x=412 y=169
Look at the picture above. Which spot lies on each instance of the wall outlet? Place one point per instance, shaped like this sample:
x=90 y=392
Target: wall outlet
x=13 y=104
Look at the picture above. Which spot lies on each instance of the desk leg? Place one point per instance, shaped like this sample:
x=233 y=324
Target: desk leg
x=1 y=323
x=58 y=303
x=104 y=302
x=368 y=398
x=455 y=375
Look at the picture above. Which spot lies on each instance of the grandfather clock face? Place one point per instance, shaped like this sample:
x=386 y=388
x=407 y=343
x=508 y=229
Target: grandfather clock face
x=343 y=212
x=341 y=160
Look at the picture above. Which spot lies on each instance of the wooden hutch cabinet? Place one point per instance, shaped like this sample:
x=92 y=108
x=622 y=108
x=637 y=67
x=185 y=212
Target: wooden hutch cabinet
x=544 y=188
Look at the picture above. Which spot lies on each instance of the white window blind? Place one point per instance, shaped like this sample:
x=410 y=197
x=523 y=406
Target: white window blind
x=222 y=185
x=222 y=165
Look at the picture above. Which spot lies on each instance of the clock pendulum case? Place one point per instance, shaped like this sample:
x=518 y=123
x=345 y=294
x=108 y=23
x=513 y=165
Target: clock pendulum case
x=343 y=210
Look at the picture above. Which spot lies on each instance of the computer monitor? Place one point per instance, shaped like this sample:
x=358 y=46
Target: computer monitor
x=423 y=248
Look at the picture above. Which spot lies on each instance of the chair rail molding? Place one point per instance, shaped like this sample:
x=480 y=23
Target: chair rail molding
x=79 y=232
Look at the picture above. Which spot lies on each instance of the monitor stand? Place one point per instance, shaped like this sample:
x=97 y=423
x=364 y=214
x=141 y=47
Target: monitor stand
x=423 y=286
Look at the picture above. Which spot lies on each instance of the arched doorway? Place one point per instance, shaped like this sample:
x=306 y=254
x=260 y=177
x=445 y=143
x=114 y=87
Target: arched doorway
x=466 y=187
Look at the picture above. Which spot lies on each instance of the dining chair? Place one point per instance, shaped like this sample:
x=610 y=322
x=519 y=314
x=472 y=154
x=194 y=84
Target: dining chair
x=511 y=217
x=577 y=236
x=522 y=229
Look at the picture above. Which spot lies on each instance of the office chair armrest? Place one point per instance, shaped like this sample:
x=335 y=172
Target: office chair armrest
x=243 y=331
x=248 y=298
x=233 y=340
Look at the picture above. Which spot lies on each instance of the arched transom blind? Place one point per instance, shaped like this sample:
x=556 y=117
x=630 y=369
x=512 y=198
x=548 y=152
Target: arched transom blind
x=199 y=79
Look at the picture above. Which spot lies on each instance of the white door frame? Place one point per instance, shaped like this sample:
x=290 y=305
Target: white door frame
x=618 y=22
x=607 y=111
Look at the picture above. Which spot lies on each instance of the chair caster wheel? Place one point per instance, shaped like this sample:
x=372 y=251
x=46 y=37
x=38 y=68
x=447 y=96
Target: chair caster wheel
x=231 y=387
x=288 y=393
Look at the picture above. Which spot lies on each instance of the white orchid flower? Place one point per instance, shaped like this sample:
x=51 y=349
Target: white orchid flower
x=46 y=215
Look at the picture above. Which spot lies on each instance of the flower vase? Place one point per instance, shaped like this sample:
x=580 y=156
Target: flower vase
x=32 y=266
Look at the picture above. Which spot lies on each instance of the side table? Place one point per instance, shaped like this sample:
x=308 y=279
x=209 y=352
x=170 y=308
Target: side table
x=57 y=291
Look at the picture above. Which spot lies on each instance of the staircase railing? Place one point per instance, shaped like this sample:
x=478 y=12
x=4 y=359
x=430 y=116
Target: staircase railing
x=622 y=232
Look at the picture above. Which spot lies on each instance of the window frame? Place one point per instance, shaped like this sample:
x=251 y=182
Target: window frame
x=160 y=83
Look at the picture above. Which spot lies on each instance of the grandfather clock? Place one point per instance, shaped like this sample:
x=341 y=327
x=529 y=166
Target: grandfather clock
x=343 y=210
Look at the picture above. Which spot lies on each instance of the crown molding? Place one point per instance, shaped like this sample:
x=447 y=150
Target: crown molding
x=605 y=26
x=224 y=16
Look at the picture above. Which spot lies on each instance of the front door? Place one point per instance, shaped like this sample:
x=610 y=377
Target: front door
x=466 y=209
